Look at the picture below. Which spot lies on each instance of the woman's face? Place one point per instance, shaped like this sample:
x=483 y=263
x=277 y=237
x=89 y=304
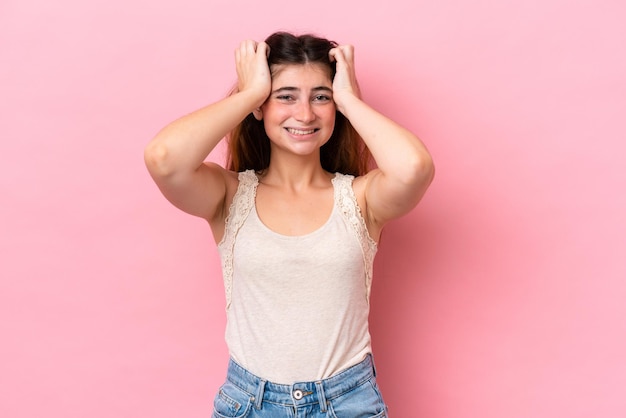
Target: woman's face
x=299 y=114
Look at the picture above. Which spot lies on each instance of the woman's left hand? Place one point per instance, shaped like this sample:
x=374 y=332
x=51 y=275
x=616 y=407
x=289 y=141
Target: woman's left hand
x=345 y=84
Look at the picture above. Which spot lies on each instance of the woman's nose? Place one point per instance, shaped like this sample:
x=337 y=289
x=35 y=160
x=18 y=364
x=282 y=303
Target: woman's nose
x=304 y=112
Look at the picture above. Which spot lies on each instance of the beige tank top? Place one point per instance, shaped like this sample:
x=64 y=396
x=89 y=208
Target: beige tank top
x=297 y=306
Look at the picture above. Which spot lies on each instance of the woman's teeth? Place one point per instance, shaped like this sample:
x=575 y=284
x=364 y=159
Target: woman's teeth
x=300 y=131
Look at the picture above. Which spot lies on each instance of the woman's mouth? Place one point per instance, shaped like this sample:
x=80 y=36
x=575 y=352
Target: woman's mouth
x=294 y=131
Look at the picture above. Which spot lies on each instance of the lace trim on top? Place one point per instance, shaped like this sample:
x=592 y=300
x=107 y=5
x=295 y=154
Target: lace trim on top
x=242 y=203
x=345 y=199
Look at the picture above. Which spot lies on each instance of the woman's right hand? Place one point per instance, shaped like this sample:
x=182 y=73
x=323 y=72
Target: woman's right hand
x=253 y=71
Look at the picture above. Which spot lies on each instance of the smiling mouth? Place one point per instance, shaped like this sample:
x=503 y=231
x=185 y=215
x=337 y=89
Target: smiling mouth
x=301 y=131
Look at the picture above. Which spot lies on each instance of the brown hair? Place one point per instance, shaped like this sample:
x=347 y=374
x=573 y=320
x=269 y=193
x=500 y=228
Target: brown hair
x=249 y=145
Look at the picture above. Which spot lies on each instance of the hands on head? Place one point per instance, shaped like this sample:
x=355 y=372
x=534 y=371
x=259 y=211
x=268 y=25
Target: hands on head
x=254 y=74
x=345 y=83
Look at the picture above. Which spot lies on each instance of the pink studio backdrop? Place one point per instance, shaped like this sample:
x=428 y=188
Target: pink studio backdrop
x=502 y=295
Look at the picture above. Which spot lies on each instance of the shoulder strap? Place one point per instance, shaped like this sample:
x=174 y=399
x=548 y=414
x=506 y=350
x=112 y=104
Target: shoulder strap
x=239 y=209
x=351 y=213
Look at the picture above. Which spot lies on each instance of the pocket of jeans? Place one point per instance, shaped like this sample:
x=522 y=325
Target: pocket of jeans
x=364 y=401
x=231 y=402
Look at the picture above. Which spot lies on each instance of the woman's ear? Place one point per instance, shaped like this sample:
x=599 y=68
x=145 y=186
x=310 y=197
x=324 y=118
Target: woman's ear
x=258 y=113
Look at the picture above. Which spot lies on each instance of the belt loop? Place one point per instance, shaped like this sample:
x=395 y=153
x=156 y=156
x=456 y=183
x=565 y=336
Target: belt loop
x=258 y=401
x=320 y=396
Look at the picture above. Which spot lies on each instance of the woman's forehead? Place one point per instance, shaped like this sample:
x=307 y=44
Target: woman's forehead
x=300 y=73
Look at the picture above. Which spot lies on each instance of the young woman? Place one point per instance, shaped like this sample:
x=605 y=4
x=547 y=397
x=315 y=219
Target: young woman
x=296 y=217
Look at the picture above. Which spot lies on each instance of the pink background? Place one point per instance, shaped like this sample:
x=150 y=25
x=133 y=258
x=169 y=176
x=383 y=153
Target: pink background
x=502 y=295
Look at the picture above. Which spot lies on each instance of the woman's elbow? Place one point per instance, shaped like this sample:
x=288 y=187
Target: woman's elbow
x=157 y=159
x=421 y=168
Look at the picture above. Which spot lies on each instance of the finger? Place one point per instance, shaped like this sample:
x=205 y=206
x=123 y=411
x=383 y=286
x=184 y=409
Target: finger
x=251 y=48
x=240 y=52
x=331 y=54
x=263 y=48
x=336 y=54
x=347 y=52
x=247 y=48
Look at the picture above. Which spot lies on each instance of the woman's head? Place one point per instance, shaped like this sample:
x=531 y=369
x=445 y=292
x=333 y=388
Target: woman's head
x=249 y=145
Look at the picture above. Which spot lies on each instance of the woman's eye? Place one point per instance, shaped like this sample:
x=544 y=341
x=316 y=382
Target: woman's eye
x=285 y=97
x=321 y=98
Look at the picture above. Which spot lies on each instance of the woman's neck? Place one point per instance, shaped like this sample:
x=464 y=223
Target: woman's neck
x=296 y=173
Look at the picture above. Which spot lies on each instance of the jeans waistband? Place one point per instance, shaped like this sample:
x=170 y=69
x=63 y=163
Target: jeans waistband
x=301 y=393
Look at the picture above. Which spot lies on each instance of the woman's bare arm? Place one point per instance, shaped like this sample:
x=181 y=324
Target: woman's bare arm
x=405 y=167
x=176 y=156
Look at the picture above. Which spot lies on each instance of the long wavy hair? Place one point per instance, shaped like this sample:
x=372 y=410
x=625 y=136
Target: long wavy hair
x=248 y=144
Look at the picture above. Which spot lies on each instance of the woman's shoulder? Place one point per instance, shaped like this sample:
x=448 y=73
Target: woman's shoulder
x=359 y=183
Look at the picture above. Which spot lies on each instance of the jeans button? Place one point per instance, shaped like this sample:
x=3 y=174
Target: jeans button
x=297 y=394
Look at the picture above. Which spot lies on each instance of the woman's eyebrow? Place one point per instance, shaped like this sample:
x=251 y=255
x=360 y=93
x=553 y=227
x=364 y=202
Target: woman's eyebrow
x=315 y=89
x=323 y=88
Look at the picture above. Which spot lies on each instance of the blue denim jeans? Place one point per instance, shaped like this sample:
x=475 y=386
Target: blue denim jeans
x=352 y=393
